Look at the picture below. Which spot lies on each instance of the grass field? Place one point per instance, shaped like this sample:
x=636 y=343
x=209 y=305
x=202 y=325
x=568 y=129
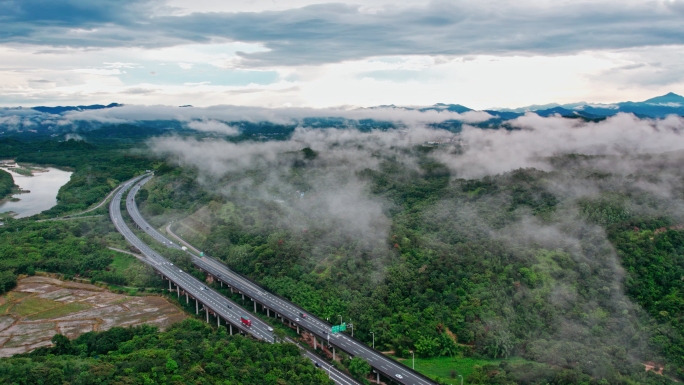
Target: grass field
x=34 y=305
x=122 y=262
x=60 y=311
x=442 y=367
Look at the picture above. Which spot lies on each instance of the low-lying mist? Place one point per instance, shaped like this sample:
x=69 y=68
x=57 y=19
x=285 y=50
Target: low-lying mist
x=526 y=210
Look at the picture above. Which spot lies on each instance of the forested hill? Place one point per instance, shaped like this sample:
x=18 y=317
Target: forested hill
x=572 y=286
x=6 y=184
x=190 y=352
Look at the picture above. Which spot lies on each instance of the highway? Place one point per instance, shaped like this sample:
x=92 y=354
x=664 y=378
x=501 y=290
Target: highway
x=217 y=303
x=390 y=368
x=211 y=299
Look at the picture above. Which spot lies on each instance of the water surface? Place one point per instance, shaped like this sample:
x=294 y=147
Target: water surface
x=43 y=186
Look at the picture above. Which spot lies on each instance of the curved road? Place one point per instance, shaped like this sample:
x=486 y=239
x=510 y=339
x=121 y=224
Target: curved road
x=390 y=368
x=217 y=303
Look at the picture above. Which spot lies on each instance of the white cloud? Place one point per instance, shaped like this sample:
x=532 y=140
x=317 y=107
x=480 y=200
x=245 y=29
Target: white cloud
x=214 y=126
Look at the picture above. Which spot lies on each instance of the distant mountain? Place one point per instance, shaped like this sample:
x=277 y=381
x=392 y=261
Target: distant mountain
x=447 y=107
x=668 y=98
x=658 y=107
x=61 y=109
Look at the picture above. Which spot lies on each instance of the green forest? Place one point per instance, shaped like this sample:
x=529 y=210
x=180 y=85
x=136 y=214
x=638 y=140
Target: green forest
x=190 y=352
x=512 y=269
x=6 y=184
x=502 y=267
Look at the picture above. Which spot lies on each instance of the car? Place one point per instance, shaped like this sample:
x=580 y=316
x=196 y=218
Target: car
x=325 y=332
x=180 y=271
x=229 y=307
x=170 y=263
x=297 y=319
x=399 y=376
x=201 y=287
x=270 y=329
x=303 y=315
x=317 y=364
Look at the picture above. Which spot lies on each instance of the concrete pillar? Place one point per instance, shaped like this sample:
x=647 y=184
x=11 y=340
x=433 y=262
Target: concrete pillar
x=297 y=329
x=377 y=377
x=333 y=353
x=268 y=313
x=187 y=301
x=314 y=342
x=221 y=283
x=231 y=329
x=255 y=306
x=178 y=291
x=243 y=296
x=196 y=306
x=206 y=310
x=218 y=320
x=169 y=285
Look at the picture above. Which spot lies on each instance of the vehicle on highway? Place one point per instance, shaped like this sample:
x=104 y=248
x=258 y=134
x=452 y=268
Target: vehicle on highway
x=180 y=271
x=270 y=329
x=303 y=315
x=202 y=288
x=399 y=376
x=317 y=364
x=297 y=319
x=246 y=321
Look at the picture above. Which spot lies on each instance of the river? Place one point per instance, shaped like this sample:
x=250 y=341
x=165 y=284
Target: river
x=43 y=186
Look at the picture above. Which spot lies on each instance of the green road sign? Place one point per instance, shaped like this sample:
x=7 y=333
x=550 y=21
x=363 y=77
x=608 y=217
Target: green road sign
x=202 y=254
x=343 y=327
x=335 y=329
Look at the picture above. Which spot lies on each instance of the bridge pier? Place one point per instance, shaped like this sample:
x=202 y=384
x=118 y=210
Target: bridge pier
x=297 y=329
x=243 y=296
x=169 y=284
x=196 y=307
x=254 y=306
x=231 y=329
x=218 y=320
x=178 y=290
x=333 y=353
x=315 y=342
x=187 y=301
x=377 y=376
x=206 y=311
x=268 y=313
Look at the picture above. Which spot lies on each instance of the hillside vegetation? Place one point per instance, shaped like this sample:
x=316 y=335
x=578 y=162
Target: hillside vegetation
x=190 y=352
x=6 y=184
x=583 y=285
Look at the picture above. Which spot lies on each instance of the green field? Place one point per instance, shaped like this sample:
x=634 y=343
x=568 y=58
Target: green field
x=122 y=262
x=442 y=367
x=60 y=311
x=33 y=305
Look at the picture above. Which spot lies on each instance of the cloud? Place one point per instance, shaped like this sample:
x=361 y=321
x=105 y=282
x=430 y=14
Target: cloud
x=214 y=126
x=288 y=115
x=489 y=152
x=325 y=33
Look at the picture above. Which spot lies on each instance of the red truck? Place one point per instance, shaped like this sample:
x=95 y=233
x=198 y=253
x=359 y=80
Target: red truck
x=246 y=321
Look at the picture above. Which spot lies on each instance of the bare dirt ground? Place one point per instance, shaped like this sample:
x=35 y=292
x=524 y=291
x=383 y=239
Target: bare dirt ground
x=40 y=307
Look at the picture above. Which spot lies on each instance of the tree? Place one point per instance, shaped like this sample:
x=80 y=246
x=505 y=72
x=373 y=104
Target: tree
x=359 y=367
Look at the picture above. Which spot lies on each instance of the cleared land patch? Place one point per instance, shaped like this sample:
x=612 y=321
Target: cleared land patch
x=40 y=307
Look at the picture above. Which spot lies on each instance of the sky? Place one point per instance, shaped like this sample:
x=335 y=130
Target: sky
x=318 y=53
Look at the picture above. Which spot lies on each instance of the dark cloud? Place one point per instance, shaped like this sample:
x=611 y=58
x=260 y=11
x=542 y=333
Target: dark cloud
x=336 y=32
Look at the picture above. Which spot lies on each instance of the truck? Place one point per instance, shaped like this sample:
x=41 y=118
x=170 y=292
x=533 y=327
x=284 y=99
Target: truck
x=184 y=248
x=246 y=321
